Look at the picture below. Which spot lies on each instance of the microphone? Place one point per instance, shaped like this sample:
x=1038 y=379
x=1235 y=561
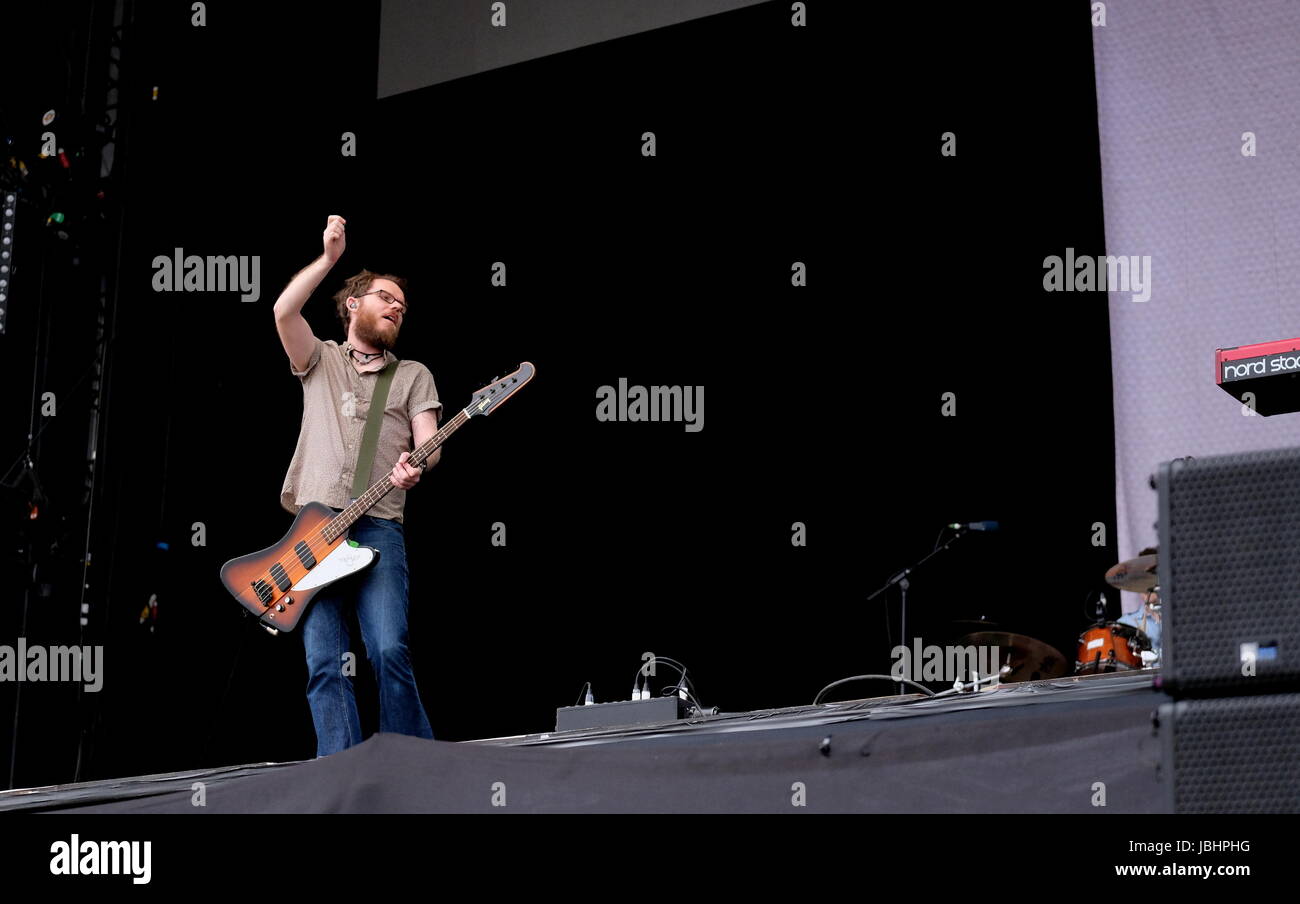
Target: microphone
x=976 y=525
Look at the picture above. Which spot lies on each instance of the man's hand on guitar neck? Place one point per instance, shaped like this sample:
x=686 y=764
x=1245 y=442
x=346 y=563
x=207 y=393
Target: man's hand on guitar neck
x=423 y=426
x=404 y=476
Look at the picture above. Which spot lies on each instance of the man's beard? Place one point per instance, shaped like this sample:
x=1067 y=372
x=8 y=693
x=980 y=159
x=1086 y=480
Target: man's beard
x=376 y=334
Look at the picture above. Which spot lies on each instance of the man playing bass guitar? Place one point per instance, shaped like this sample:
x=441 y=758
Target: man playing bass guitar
x=338 y=383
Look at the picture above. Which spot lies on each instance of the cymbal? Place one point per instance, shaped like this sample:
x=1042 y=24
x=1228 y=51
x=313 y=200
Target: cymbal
x=974 y=624
x=1029 y=659
x=1137 y=575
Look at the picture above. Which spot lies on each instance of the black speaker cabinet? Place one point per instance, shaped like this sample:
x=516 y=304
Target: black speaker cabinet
x=1231 y=754
x=1229 y=571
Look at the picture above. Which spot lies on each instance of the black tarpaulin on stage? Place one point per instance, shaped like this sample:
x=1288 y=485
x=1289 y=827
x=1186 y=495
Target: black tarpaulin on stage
x=1041 y=758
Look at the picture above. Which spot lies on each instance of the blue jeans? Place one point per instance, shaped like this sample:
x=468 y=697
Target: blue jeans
x=380 y=595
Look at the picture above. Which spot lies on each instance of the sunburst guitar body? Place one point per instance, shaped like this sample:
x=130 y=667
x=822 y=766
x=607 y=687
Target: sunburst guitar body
x=277 y=583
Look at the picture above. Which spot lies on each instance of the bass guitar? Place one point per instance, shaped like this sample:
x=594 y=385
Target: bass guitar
x=277 y=584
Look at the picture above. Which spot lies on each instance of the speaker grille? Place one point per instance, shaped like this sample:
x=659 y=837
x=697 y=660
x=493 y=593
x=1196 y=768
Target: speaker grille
x=1230 y=570
x=1234 y=754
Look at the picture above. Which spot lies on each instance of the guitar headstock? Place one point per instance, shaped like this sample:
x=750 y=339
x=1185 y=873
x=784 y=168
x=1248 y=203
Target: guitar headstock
x=486 y=400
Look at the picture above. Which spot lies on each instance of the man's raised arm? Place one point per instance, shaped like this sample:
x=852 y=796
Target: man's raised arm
x=295 y=332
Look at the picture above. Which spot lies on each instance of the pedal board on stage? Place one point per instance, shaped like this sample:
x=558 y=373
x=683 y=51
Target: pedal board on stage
x=621 y=713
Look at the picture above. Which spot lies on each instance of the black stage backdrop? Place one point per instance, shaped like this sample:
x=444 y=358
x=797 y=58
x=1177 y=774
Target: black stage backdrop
x=775 y=145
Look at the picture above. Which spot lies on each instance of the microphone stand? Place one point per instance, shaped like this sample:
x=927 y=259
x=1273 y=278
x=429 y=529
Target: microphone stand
x=901 y=580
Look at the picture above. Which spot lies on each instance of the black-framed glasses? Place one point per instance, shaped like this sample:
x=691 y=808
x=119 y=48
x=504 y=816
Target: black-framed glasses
x=386 y=297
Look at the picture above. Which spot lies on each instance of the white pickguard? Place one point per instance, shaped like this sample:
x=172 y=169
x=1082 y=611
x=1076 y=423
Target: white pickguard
x=343 y=561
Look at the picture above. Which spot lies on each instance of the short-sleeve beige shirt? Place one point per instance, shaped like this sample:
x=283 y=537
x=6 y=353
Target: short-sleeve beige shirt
x=336 y=401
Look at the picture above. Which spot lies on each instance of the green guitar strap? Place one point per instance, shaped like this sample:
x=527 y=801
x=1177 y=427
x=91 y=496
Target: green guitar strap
x=370 y=439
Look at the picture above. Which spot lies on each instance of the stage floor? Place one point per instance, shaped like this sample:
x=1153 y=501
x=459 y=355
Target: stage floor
x=1033 y=747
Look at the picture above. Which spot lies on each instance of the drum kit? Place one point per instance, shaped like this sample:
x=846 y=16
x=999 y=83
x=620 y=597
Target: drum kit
x=1105 y=647
x=1115 y=647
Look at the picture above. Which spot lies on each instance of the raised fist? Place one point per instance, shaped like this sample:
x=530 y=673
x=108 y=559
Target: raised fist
x=335 y=241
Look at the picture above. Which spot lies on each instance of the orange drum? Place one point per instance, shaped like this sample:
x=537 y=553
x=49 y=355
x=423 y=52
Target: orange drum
x=1110 y=647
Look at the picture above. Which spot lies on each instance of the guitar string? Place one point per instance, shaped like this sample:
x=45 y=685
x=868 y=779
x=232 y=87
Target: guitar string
x=379 y=490
x=313 y=547
x=461 y=417
x=317 y=542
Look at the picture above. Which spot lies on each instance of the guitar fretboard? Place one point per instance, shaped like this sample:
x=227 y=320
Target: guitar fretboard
x=339 y=524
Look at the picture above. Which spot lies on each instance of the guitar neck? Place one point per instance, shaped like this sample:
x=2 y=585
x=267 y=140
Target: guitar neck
x=366 y=501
